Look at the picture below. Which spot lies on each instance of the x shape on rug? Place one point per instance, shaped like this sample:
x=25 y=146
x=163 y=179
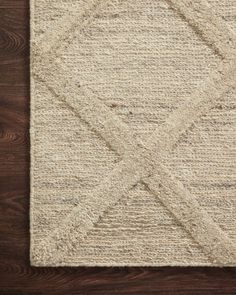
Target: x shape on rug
x=141 y=161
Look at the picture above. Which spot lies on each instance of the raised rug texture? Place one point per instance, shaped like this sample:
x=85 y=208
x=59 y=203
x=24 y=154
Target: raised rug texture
x=133 y=127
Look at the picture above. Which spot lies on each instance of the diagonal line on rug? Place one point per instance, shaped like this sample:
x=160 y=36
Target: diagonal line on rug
x=139 y=164
x=208 y=24
x=67 y=27
x=181 y=191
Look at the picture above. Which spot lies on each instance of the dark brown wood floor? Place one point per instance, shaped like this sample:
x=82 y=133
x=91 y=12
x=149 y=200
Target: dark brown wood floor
x=16 y=275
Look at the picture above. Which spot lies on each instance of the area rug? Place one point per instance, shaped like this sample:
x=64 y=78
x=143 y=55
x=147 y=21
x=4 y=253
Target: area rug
x=133 y=133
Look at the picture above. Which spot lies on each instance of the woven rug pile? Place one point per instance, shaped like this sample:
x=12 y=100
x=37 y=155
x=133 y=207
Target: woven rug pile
x=133 y=133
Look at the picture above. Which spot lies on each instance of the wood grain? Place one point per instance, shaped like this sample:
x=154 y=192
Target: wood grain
x=16 y=275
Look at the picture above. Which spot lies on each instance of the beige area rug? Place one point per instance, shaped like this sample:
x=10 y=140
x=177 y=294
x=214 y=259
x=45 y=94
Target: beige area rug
x=132 y=132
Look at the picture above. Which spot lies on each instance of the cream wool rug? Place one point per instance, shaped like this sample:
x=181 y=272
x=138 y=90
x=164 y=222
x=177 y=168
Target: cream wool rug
x=132 y=132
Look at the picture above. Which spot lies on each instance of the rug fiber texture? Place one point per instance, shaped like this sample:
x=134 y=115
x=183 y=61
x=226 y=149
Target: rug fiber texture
x=133 y=133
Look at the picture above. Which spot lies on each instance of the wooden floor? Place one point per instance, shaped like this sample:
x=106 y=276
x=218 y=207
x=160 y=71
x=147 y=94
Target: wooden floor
x=16 y=275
